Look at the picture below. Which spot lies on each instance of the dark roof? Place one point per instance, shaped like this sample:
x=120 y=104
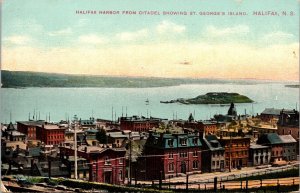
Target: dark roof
x=271 y=111
x=167 y=141
x=212 y=143
x=269 y=138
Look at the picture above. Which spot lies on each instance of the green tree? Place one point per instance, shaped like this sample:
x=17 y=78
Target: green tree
x=101 y=136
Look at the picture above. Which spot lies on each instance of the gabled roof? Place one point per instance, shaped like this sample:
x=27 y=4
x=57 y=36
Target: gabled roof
x=287 y=139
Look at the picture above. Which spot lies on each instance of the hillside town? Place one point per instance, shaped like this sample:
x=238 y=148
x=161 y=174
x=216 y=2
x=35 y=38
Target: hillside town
x=140 y=150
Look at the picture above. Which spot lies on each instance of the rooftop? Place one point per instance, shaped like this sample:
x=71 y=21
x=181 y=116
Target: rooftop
x=51 y=126
x=257 y=146
x=271 y=111
x=287 y=139
x=32 y=123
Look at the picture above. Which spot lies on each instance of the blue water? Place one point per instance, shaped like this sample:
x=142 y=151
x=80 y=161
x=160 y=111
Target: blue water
x=98 y=102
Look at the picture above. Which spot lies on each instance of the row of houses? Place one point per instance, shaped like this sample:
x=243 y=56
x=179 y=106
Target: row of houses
x=138 y=152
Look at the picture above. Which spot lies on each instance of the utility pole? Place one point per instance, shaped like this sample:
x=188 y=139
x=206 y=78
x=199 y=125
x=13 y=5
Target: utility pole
x=129 y=173
x=229 y=151
x=75 y=149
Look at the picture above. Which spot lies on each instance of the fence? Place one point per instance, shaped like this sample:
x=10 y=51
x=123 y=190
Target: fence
x=235 y=181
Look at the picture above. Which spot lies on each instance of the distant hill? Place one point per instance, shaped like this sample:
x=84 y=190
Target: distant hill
x=14 y=79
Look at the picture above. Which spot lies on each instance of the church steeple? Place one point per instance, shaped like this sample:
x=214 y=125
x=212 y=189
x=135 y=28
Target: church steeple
x=191 y=118
x=232 y=110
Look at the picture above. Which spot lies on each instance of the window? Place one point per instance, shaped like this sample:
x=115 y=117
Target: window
x=213 y=163
x=120 y=175
x=120 y=161
x=171 y=155
x=195 y=141
x=170 y=142
x=195 y=153
x=183 y=154
x=183 y=142
x=218 y=163
x=290 y=132
x=107 y=161
x=171 y=167
x=195 y=164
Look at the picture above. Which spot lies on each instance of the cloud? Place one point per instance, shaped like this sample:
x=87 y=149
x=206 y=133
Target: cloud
x=228 y=31
x=92 y=39
x=157 y=59
x=277 y=37
x=62 y=32
x=18 y=39
x=169 y=27
x=131 y=36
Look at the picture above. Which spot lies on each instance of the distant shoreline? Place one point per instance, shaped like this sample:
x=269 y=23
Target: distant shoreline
x=293 y=86
x=21 y=80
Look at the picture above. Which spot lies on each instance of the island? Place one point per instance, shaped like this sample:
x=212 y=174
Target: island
x=214 y=98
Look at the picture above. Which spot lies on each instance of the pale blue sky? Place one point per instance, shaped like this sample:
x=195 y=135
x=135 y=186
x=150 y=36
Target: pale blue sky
x=39 y=26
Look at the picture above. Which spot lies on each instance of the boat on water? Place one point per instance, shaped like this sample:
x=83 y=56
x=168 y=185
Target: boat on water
x=147 y=102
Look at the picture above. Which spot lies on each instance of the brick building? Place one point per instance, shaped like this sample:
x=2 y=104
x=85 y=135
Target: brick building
x=170 y=155
x=141 y=124
x=288 y=123
x=50 y=134
x=203 y=127
x=105 y=164
x=29 y=128
x=236 y=151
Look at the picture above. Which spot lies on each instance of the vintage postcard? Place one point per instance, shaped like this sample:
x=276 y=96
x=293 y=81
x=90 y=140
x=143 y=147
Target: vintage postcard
x=149 y=95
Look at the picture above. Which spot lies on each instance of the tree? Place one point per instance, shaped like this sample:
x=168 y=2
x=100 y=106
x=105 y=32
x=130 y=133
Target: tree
x=101 y=136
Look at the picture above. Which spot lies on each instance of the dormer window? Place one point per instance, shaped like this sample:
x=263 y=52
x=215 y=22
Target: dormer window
x=183 y=141
x=170 y=142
